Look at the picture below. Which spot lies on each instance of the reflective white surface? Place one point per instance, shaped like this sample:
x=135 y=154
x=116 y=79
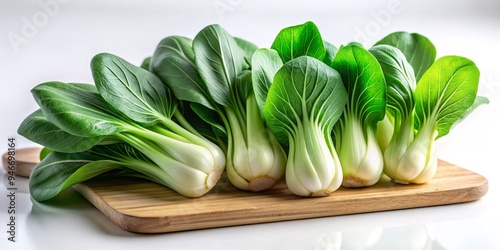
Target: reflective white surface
x=48 y=40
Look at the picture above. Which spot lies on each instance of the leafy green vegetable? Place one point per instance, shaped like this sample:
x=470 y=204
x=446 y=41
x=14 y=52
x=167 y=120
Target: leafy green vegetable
x=304 y=102
x=265 y=64
x=443 y=95
x=330 y=52
x=418 y=50
x=247 y=47
x=212 y=73
x=38 y=129
x=356 y=143
x=299 y=40
x=133 y=91
x=59 y=171
x=132 y=107
x=200 y=106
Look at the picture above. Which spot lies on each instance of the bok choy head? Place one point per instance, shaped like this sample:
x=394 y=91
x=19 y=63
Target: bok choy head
x=128 y=105
x=425 y=111
x=213 y=74
x=304 y=101
x=355 y=140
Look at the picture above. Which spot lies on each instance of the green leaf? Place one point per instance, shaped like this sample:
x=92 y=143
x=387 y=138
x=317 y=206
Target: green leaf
x=399 y=78
x=480 y=100
x=145 y=63
x=418 y=50
x=38 y=129
x=219 y=60
x=265 y=64
x=135 y=92
x=173 y=62
x=247 y=47
x=204 y=127
x=330 y=52
x=304 y=89
x=299 y=40
x=44 y=152
x=86 y=86
x=77 y=111
x=364 y=81
x=446 y=91
x=244 y=85
x=59 y=171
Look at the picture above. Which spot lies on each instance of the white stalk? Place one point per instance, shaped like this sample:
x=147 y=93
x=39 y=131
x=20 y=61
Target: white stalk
x=312 y=169
x=361 y=158
x=183 y=178
x=256 y=162
x=417 y=162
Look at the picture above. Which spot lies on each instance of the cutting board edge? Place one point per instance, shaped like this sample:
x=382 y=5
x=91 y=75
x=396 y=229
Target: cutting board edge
x=167 y=224
x=124 y=221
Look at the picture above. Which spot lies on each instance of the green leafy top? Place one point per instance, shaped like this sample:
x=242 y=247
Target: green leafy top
x=173 y=62
x=134 y=91
x=299 y=40
x=76 y=110
x=399 y=78
x=38 y=129
x=265 y=64
x=220 y=61
x=446 y=91
x=418 y=50
x=304 y=90
x=364 y=81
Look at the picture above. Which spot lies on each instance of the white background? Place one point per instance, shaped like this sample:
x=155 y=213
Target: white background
x=49 y=40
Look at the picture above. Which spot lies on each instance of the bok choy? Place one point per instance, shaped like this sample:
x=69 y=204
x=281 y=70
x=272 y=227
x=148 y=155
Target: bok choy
x=355 y=139
x=303 y=98
x=213 y=74
x=304 y=101
x=423 y=112
x=128 y=105
x=319 y=115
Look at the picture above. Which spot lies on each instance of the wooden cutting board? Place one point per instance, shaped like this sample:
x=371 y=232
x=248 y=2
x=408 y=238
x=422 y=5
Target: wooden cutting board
x=145 y=207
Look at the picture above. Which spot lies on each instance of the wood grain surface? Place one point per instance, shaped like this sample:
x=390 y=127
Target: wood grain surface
x=25 y=160
x=145 y=207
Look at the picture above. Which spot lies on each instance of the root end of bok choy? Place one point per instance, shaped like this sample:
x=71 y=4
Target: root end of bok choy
x=261 y=183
